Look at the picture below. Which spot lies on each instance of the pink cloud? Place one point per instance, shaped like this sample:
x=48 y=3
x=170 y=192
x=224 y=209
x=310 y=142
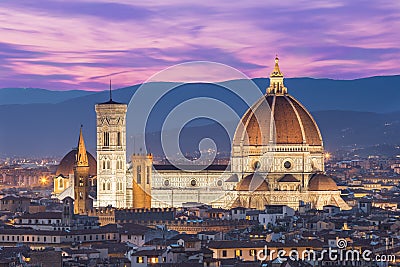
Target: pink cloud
x=84 y=42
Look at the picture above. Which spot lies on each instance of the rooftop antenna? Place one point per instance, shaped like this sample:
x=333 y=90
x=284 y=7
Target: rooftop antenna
x=110 y=91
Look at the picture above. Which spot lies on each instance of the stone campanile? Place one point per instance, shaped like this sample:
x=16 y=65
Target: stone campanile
x=82 y=202
x=111 y=153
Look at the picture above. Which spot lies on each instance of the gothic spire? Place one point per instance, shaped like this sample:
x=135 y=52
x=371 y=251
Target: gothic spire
x=81 y=154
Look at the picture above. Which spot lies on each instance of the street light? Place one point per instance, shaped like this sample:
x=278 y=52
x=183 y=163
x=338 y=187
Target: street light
x=328 y=155
x=43 y=180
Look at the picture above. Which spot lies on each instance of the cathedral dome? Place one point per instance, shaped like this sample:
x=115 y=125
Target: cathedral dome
x=66 y=166
x=321 y=182
x=252 y=182
x=278 y=118
x=289 y=121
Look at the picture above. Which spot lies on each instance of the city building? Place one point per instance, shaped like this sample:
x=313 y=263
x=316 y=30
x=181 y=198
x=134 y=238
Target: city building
x=63 y=182
x=74 y=177
x=112 y=184
x=15 y=204
x=274 y=213
x=277 y=160
x=82 y=202
x=140 y=178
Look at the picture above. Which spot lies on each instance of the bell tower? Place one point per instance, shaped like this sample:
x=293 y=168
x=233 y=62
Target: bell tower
x=111 y=153
x=82 y=202
x=141 y=180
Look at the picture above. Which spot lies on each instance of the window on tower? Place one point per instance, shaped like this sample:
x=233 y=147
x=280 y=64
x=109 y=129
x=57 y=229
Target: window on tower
x=119 y=186
x=106 y=139
x=148 y=175
x=108 y=186
x=119 y=139
x=139 y=174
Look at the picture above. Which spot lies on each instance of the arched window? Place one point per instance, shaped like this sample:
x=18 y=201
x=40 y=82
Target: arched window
x=118 y=164
x=106 y=139
x=108 y=164
x=139 y=174
x=104 y=186
x=148 y=172
x=119 y=186
x=118 y=139
x=61 y=183
x=108 y=186
x=104 y=164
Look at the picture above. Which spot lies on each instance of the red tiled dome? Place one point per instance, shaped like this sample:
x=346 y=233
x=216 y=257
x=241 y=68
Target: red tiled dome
x=66 y=166
x=321 y=182
x=252 y=182
x=280 y=119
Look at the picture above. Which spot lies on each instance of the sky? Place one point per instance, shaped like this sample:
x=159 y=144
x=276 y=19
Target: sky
x=80 y=44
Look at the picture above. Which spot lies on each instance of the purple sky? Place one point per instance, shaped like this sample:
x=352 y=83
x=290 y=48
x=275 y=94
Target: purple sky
x=64 y=45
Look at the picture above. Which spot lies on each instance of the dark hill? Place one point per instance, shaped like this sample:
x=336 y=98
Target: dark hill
x=362 y=112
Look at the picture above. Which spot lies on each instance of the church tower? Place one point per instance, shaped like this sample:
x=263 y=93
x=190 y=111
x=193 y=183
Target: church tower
x=82 y=202
x=142 y=165
x=111 y=153
x=67 y=214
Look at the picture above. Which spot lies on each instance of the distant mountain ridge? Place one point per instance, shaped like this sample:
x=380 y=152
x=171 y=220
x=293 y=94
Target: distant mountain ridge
x=363 y=111
x=9 y=96
x=372 y=94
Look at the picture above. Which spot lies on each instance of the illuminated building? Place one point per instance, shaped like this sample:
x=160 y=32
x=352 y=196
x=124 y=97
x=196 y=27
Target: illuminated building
x=141 y=177
x=74 y=177
x=82 y=201
x=278 y=160
x=111 y=154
